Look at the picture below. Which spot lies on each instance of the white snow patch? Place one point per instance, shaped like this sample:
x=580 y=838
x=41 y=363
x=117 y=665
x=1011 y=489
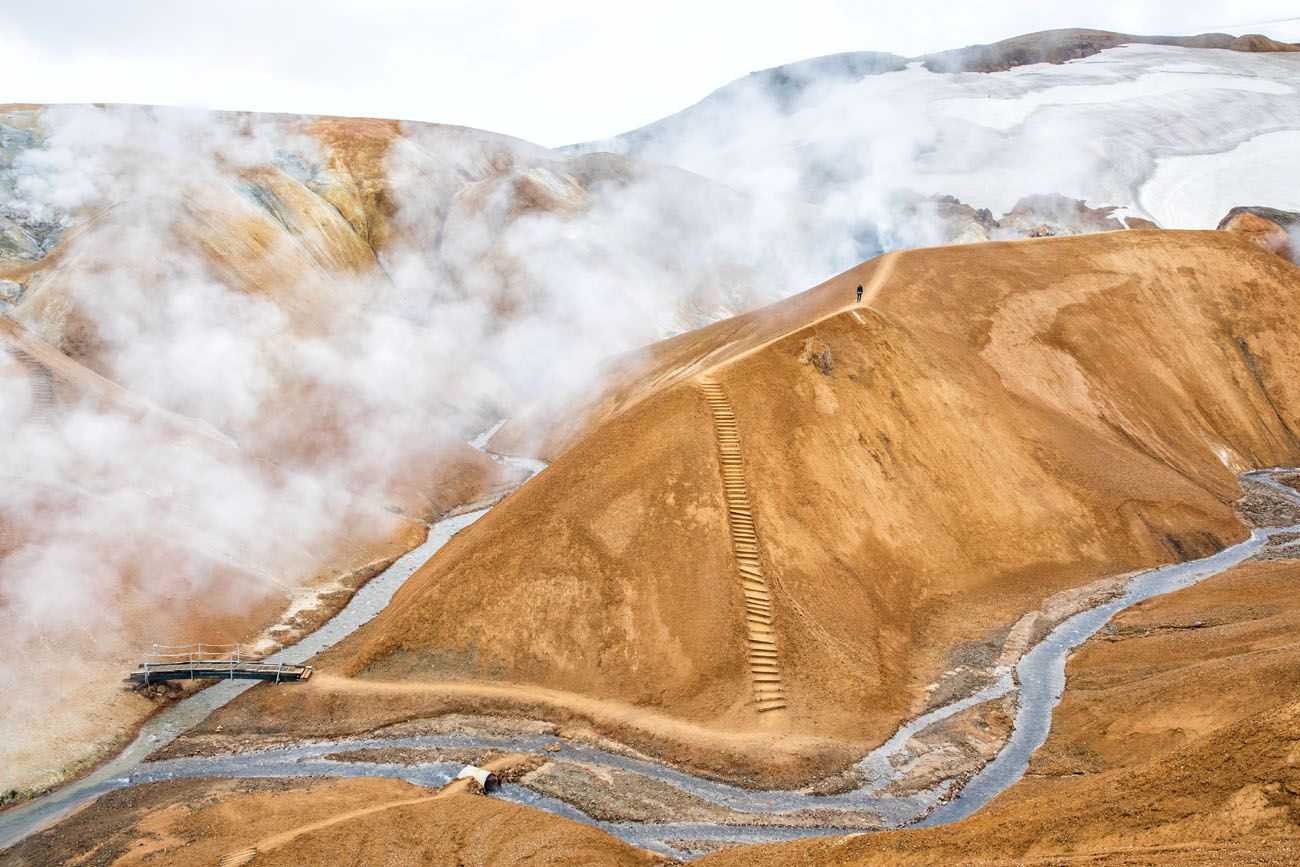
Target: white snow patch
x=1195 y=192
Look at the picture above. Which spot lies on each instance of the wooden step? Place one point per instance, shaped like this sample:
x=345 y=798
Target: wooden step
x=765 y=671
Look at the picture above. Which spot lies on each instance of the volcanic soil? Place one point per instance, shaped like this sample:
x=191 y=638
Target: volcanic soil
x=1176 y=743
x=992 y=426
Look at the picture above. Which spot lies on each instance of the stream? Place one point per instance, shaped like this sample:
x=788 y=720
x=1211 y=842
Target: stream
x=170 y=723
x=1039 y=678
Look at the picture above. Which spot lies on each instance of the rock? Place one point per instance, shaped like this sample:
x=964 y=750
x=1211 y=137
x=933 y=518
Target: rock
x=925 y=221
x=940 y=220
x=1259 y=42
x=1061 y=46
x=515 y=770
x=1275 y=230
x=1140 y=223
x=1043 y=216
x=818 y=354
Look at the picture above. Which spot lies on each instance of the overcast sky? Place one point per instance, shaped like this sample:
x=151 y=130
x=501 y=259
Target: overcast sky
x=552 y=71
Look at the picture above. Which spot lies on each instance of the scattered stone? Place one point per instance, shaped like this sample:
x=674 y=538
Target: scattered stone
x=817 y=353
x=515 y=770
x=413 y=756
x=1263 y=506
x=848 y=780
x=163 y=691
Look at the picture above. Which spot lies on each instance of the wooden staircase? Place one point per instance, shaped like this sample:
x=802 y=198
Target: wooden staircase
x=42 y=408
x=764 y=664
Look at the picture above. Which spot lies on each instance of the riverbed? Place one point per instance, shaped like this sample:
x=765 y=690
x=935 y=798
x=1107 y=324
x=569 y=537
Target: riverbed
x=746 y=816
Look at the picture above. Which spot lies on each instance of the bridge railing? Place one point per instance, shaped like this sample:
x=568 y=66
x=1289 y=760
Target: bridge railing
x=178 y=654
x=209 y=661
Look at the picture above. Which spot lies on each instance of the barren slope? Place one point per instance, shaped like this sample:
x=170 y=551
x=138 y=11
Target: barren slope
x=992 y=425
x=338 y=822
x=1174 y=744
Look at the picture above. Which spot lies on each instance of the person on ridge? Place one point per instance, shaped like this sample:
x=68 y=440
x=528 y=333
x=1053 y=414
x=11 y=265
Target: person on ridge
x=859 y=292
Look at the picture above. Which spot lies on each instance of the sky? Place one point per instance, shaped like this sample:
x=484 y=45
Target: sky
x=552 y=72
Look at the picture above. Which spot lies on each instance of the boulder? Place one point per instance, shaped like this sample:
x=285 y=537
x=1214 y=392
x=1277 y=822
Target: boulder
x=1275 y=230
x=1053 y=214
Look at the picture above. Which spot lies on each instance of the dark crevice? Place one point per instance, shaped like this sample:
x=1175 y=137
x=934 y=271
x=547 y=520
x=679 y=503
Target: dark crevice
x=1253 y=366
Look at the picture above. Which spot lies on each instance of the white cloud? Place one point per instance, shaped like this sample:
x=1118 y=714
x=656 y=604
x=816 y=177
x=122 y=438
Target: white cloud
x=562 y=71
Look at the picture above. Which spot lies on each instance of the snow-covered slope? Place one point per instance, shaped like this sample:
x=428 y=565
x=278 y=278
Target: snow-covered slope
x=1176 y=134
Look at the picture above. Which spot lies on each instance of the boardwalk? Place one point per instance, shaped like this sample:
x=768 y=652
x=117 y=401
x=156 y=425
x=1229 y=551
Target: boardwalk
x=212 y=662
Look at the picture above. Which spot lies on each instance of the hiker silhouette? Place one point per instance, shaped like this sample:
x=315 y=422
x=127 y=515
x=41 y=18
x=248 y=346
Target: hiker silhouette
x=859 y=292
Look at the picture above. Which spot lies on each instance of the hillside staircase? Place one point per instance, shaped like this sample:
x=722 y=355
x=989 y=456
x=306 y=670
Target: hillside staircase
x=41 y=412
x=764 y=664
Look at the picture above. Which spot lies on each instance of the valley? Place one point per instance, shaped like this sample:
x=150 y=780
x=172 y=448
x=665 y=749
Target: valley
x=880 y=461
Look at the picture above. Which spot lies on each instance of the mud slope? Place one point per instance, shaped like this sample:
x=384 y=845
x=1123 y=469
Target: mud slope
x=990 y=426
x=1174 y=744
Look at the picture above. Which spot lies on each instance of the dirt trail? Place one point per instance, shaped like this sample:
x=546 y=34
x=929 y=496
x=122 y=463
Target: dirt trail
x=764 y=661
x=610 y=712
x=739 y=349
x=455 y=787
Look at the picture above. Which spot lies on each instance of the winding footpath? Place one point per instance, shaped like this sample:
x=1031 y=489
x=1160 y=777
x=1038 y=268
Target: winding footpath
x=1039 y=680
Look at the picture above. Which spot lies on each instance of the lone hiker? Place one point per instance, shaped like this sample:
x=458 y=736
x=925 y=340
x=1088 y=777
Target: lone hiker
x=859 y=292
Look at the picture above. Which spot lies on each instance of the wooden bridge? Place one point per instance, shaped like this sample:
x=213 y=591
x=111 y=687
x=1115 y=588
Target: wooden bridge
x=212 y=662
